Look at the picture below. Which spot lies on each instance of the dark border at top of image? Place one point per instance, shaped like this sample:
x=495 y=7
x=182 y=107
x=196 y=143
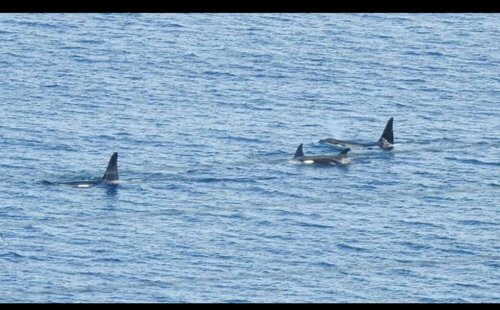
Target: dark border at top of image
x=309 y=6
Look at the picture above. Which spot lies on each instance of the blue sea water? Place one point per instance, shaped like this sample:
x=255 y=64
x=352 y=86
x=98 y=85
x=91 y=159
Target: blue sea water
x=206 y=111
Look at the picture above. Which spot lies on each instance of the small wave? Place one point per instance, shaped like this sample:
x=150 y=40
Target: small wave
x=243 y=139
x=473 y=161
x=12 y=256
x=86 y=60
x=37 y=24
x=416 y=223
x=458 y=251
x=326 y=265
x=426 y=300
x=72 y=47
x=305 y=224
x=478 y=223
x=107 y=260
x=434 y=54
x=344 y=246
x=219 y=74
x=87 y=41
x=495 y=264
x=467 y=285
x=403 y=272
x=413 y=81
x=236 y=301
x=414 y=246
x=216 y=180
x=50 y=85
x=174 y=25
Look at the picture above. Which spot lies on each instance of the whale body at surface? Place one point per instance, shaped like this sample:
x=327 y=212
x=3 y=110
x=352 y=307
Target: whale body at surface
x=385 y=142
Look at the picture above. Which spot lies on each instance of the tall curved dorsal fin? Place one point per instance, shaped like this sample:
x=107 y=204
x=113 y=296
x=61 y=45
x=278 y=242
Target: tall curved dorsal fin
x=388 y=135
x=299 y=152
x=111 y=173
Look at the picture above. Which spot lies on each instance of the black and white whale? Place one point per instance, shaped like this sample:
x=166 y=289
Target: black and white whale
x=386 y=141
x=110 y=176
x=339 y=159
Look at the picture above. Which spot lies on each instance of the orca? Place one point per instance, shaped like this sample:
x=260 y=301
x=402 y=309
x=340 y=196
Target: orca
x=321 y=159
x=110 y=177
x=385 y=142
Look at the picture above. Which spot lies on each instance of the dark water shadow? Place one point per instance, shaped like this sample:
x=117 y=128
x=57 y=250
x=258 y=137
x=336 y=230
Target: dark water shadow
x=111 y=190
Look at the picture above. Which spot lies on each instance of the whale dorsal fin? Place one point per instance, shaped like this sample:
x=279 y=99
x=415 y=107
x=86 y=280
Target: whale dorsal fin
x=388 y=134
x=344 y=152
x=299 y=152
x=111 y=173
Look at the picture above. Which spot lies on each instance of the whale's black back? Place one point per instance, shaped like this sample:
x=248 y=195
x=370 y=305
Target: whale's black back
x=387 y=135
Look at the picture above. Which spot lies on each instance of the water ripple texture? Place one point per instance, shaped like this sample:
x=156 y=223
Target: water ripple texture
x=206 y=111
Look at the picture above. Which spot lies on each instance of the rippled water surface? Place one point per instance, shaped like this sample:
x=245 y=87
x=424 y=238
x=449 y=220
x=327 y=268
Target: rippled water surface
x=206 y=111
